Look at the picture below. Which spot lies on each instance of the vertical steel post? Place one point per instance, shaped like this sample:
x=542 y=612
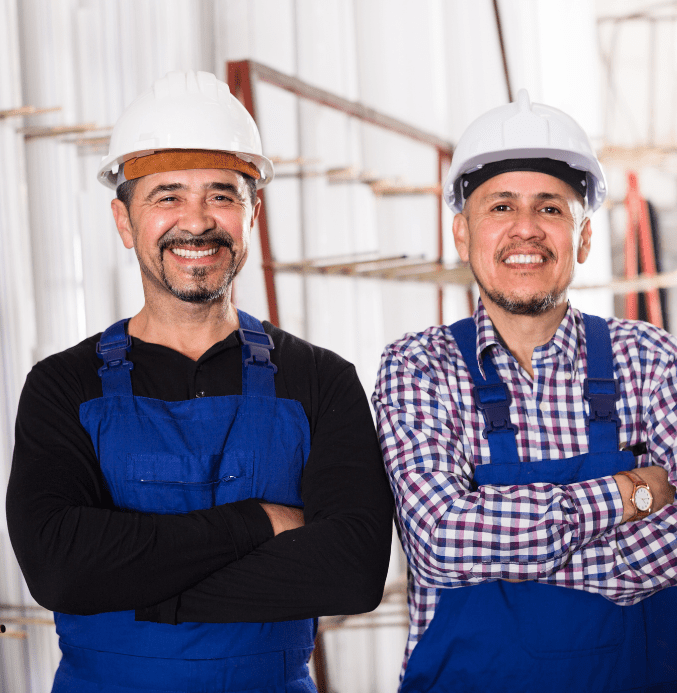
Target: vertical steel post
x=239 y=78
x=501 y=42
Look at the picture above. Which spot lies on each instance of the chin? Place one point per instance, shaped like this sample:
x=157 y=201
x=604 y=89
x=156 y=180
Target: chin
x=525 y=304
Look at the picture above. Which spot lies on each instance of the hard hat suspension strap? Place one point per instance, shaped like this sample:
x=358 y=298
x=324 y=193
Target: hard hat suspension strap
x=185 y=159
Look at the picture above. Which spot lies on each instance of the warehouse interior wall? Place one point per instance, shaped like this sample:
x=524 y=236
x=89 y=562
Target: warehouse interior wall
x=435 y=64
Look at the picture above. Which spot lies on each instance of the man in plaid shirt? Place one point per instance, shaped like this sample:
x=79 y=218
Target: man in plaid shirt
x=531 y=448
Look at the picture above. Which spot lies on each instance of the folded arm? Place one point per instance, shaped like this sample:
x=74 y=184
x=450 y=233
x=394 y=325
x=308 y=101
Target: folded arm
x=573 y=535
x=80 y=554
x=337 y=562
x=453 y=533
x=637 y=558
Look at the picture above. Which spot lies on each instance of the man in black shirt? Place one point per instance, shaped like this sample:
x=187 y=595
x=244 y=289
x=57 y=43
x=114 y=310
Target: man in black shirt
x=191 y=489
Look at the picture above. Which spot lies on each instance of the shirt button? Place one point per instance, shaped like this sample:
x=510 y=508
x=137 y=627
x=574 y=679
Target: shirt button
x=567 y=376
x=200 y=393
x=543 y=406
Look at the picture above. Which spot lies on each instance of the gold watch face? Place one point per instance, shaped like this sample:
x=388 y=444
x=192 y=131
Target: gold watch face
x=642 y=499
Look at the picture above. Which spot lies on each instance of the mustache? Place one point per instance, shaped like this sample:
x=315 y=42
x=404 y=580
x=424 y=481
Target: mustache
x=178 y=239
x=525 y=250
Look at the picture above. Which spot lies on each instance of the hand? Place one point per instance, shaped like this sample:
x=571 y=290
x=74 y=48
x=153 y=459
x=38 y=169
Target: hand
x=283 y=517
x=657 y=478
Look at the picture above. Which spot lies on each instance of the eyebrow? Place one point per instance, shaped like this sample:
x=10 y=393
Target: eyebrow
x=509 y=195
x=214 y=185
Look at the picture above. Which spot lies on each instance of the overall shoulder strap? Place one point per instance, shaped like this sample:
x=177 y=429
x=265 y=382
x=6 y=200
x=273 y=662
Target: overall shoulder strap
x=257 y=369
x=601 y=388
x=112 y=348
x=491 y=395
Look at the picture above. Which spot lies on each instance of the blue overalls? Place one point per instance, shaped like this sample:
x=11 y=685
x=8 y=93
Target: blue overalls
x=174 y=457
x=503 y=637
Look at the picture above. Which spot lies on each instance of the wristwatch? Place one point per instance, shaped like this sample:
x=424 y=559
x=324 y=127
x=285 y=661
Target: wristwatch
x=641 y=497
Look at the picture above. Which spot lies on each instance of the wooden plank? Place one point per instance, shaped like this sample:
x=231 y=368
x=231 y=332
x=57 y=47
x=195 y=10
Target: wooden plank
x=399 y=268
x=27 y=111
x=21 y=621
x=31 y=132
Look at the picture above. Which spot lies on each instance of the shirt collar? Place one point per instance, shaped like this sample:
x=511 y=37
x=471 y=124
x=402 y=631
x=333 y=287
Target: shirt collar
x=564 y=341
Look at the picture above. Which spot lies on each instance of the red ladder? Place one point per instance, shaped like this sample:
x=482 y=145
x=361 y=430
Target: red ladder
x=638 y=231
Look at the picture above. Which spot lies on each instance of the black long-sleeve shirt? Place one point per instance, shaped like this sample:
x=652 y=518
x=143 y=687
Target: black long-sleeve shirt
x=81 y=555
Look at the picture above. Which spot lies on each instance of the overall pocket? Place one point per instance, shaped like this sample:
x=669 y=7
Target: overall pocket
x=170 y=484
x=554 y=621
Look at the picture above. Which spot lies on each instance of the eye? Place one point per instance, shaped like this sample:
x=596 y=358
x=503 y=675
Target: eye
x=550 y=210
x=167 y=198
x=223 y=198
x=501 y=208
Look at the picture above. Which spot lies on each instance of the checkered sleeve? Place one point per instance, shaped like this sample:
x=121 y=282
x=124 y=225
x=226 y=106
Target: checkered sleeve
x=453 y=532
x=636 y=559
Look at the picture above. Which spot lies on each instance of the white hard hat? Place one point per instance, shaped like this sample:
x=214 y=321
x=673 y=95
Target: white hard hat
x=522 y=130
x=185 y=110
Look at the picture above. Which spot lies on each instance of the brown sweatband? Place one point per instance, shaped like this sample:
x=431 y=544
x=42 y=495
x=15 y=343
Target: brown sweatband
x=185 y=159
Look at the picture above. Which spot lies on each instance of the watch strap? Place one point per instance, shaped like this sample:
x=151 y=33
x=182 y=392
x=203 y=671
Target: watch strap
x=638 y=482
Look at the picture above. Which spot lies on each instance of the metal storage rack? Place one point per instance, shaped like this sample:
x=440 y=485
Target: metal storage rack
x=242 y=77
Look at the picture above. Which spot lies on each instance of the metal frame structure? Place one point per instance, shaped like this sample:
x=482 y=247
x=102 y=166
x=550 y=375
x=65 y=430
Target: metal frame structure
x=242 y=77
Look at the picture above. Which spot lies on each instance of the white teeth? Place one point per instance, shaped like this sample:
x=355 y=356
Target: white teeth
x=524 y=259
x=193 y=254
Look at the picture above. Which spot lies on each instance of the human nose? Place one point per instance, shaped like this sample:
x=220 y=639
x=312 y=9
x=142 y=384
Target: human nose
x=196 y=218
x=526 y=225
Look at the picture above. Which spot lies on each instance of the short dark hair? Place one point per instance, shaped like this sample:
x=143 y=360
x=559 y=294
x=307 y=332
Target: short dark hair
x=125 y=191
x=251 y=187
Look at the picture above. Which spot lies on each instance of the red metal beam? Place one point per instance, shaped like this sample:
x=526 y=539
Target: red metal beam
x=240 y=83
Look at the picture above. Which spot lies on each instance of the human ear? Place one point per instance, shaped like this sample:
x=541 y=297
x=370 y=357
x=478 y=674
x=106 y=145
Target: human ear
x=584 y=242
x=123 y=222
x=255 y=212
x=461 y=236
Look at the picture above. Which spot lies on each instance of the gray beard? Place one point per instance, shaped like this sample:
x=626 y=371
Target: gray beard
x=536 y=305
x=201 y=294
x=198 y=294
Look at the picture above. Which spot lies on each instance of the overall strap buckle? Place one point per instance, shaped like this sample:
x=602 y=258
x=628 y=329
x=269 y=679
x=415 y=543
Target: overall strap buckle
x=494 y=402
x=256 y=347
x=602 y=393
x=113 y=354
x=112 y=348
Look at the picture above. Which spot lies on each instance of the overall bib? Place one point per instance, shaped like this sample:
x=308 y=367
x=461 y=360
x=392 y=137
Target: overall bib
x=174 y=457
x=503 y=637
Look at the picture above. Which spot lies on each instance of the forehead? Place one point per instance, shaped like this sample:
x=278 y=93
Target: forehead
x=523 y=185
x=193 y=180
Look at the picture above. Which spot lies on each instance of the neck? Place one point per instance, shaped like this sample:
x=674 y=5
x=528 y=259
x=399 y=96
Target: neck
x=523 y=333
x=189 y=328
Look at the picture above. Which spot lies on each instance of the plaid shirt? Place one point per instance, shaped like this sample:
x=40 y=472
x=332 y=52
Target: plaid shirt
x=431 y=437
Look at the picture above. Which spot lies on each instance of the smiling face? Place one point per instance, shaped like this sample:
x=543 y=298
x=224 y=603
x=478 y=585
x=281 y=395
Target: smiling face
x=190 y=231
x=522 y=233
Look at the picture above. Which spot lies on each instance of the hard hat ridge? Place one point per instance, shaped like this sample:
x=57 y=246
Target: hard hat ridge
x=524 y=130
x=176 y=84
